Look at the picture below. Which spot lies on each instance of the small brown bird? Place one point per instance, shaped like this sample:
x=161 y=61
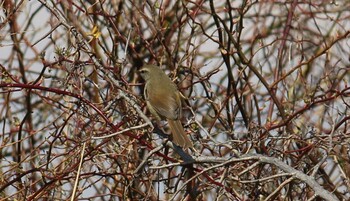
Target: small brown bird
x=163 y=101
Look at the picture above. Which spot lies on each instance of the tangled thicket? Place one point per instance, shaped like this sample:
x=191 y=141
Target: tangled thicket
x=266 y=87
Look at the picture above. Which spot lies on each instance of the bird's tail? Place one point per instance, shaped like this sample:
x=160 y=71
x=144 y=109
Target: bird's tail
x=179 y=136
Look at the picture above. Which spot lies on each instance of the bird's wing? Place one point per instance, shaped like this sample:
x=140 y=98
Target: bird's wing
x=166 y=106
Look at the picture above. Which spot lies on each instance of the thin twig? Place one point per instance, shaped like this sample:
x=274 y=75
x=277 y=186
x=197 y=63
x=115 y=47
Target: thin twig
x=78 y=172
